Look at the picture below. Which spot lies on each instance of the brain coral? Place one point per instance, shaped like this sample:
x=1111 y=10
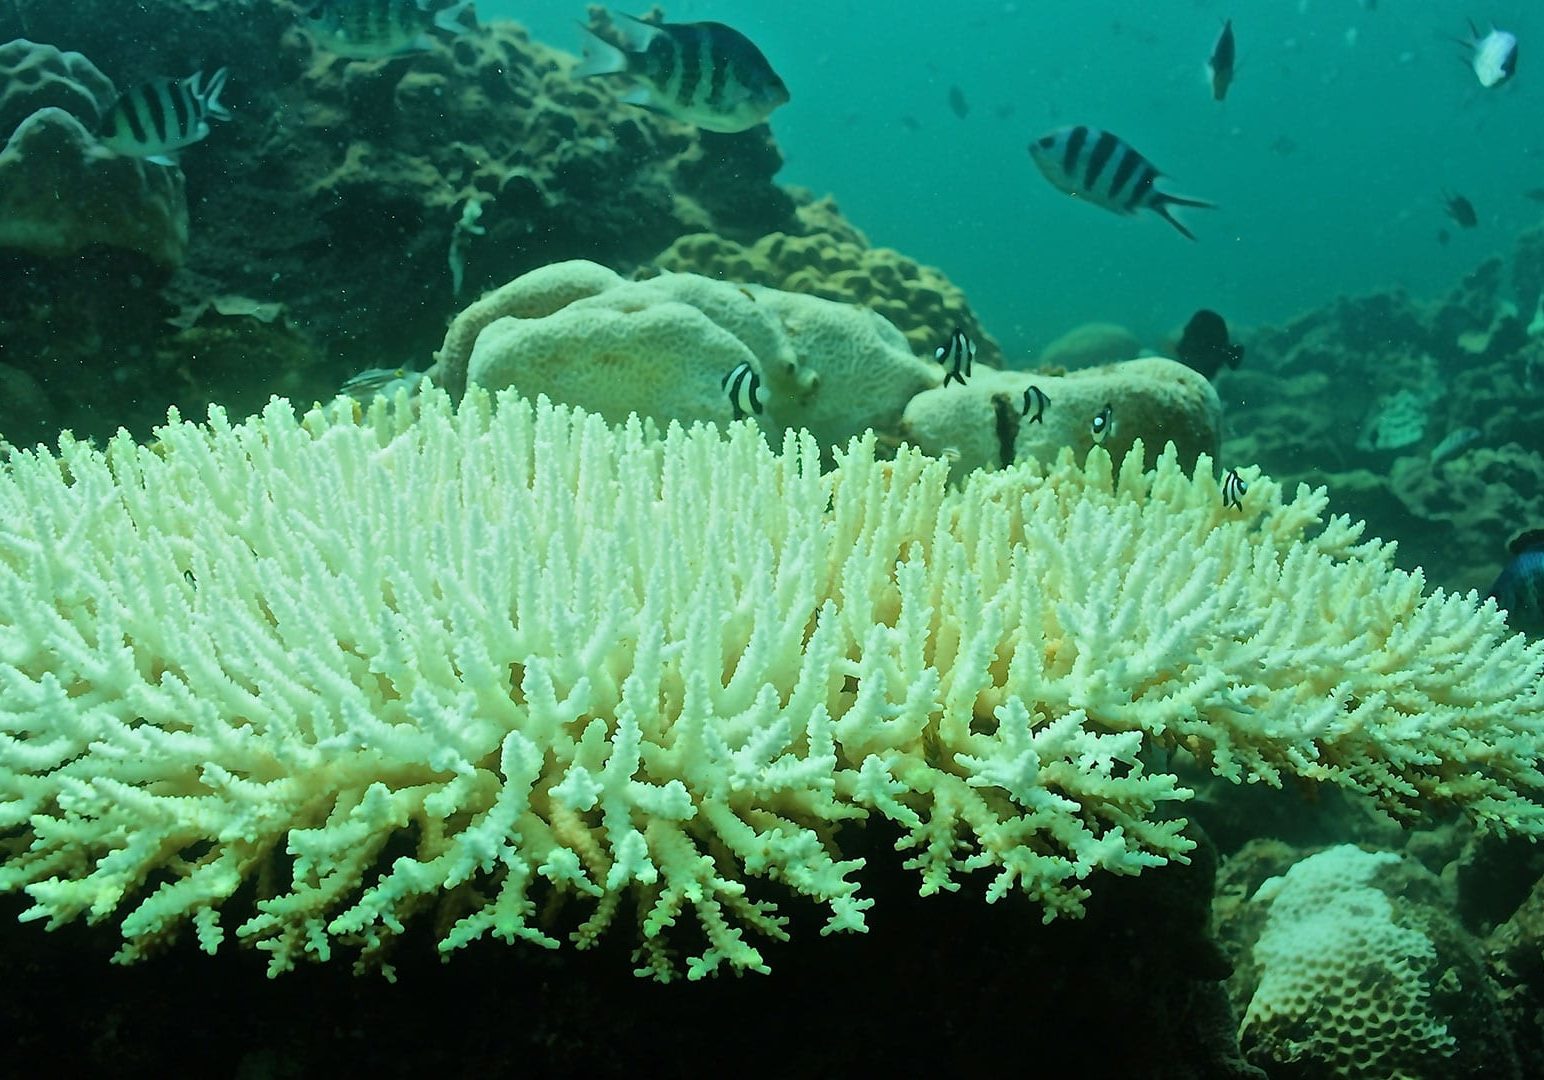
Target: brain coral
x=1360 y=975
x=319 y=676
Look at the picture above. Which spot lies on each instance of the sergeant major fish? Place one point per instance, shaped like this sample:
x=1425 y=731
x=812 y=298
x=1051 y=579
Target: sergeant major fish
x=1494 y=58
x=376 y=29
x=163 y=117
x=702 y=73
x=1100 y=167
x=957 y=354
x=743 y=386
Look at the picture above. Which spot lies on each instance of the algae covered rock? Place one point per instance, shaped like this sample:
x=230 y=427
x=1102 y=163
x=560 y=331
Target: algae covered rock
x=919 y=300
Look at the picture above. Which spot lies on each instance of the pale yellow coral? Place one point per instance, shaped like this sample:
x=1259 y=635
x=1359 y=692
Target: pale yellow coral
x=662 y=348
x=495 y=656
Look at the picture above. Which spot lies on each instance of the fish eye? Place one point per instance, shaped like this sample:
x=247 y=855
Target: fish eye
x=1046 y=142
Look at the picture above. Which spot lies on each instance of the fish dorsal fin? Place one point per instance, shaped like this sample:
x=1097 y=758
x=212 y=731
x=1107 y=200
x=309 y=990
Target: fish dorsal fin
x=1531 y=540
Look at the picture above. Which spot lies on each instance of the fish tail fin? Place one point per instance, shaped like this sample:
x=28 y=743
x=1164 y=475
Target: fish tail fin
x=600 y=57
x=210 y=95
x=1160 y=206
x=1180 y=200
x=449 y=19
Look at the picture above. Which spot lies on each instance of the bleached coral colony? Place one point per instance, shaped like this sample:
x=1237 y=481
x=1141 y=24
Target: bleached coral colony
x=502 y=653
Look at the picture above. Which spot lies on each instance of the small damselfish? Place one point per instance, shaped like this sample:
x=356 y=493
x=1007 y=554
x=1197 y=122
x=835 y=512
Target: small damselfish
x=1103 y=423
x=957 y=354
x=1035 y=402
x=743 y=386
x=1233 y=490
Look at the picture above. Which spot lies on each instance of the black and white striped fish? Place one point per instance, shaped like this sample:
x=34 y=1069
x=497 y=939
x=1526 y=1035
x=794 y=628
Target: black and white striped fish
x=157 y=120
x=956 y=354
x=743 y=386
x=1035 y=402
x=375 y=29
x=1105 y=170
x=702 y=73
x=1103 y=424
x=1234 y=489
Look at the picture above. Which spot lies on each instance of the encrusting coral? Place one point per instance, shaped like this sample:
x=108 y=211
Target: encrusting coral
x=494 y=656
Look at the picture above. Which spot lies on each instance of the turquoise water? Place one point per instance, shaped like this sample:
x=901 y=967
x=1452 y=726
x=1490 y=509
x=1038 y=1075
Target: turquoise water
x=1327 y=160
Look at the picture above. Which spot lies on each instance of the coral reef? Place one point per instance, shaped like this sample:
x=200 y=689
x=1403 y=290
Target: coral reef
x=984 y=424
x=662 y=347
x=340 y=188
x=921 y=302
x=60 y=192
x=1351 y=964
x=1454 y=371
x=641 y=674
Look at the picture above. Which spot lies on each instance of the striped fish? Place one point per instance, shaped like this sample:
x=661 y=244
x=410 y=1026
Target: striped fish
x=1035 y=402
x=376 y=29
x=157 y=120
x=703 y=73
x=1104 y=169
x=1234 y=488
x=956 y=354
x=743 y=386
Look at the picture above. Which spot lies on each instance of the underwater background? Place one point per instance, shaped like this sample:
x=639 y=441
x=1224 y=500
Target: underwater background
x=349 y=209
x=1327 y=160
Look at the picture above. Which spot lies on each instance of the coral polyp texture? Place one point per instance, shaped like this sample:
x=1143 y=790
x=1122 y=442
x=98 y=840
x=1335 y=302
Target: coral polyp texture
x=473 y=662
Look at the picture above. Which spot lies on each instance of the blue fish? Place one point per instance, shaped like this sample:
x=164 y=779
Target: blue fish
x=1520 y=588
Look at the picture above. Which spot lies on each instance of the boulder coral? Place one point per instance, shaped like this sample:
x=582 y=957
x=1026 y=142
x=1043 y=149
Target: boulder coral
x=583 y=335
x=985 y=424
x=61 y=192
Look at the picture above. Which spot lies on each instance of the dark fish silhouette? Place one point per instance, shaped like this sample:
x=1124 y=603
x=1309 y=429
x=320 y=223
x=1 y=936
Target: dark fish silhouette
x=1205 y=347
x=1221 y=63
x=1461 y=210
x=1520 y=588
x=958 y=103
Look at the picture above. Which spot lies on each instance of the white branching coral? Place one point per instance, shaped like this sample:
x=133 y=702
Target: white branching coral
x=476 y=660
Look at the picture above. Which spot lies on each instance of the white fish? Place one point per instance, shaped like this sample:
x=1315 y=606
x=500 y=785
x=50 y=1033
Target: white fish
x=1103 y=169
x=157 y=120
x=1495 y=56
